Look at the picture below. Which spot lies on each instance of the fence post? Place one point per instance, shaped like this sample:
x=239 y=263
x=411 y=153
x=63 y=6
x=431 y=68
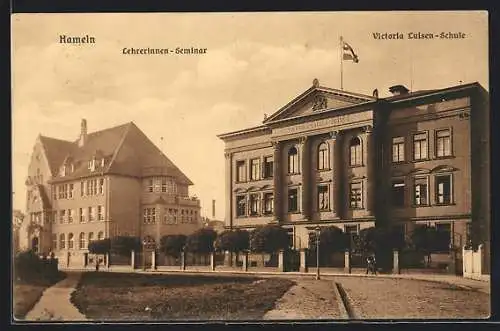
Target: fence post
x=396 y=267
x=245 y=261
x=347 y=261
x=107 y=260
x=281 y=260
x=303 y=260
x=183 y=260
x=132 y=259
x=212 y=261
x=153 y=259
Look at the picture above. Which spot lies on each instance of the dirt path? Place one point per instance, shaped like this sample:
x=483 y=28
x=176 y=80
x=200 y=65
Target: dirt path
x=309 y=299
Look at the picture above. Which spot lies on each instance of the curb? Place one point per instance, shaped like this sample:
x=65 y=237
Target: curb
x=340 y=302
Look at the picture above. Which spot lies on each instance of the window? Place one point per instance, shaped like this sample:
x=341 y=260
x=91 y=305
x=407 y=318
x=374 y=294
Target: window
x=443 y=189
x=62 y=215
x=443 y=239
x=355 y=152
x=90 y=214
x=54 y=242
x=255 y=169
x=241 y=205
x=100 y=235
x=292 y=200
x=81 y=241
x=91 y=237
x=268 y=203
x=164 y=185
x=398 y=149
x=100 y=213
x=62 y=241
x=355 y=195
x=101 y=185
x=254 y=204
x=420 y=146
x=443 y=143
x=240 y=171
x=81 y=215
x=398 y=193
x=150 y=185
x=70 y=215
x=149 y=216
x=82 y=189
x=323 y=157
x=54 y=192
x=323 y=198
x=268 y=167
x=293 y=161
x=351 y=229
x=71 y=241
x=420 y=193
x=70 y=193
x=54 y=217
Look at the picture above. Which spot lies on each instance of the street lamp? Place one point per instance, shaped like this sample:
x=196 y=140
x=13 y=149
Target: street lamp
x=318 y=231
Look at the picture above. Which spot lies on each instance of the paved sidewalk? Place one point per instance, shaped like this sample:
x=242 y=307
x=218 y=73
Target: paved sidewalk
x=55 y=304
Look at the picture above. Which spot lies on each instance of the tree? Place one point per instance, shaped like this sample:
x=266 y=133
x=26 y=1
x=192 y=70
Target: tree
x=101 y=246
x=233 y=241
x=201 y=241
x=427 y=239
x=332 y=239
x=268 y=239
x=123 y=245
x=173 y=244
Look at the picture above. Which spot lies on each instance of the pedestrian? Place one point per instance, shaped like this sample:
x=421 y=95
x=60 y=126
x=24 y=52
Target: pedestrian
x=371 y=265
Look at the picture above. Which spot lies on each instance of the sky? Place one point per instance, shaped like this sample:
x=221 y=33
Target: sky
x=255 y=63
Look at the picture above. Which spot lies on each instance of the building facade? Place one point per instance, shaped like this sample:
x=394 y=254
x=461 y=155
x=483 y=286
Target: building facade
x=107 y=183
x=332 y=157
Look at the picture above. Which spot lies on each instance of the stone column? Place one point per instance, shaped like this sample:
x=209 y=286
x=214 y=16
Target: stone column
x=334 y=195
x=305 y=160
x=281 y=261
x=229 y=183
x=396 y=267
x=370 y=170
x=347 y=261
x=303 y=260
x=107 y=260
x=277 y=182
x=132 y=259
x=339 y=164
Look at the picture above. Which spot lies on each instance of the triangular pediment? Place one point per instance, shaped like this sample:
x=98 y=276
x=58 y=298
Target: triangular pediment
x=317 y=99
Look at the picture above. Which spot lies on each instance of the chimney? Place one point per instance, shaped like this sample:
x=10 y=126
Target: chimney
x=398 y=90
x=213 y=209
x=83 y=133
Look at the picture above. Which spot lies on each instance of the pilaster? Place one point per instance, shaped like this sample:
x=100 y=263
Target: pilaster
x=370 y=171
x=277 y=181
x=305 y=191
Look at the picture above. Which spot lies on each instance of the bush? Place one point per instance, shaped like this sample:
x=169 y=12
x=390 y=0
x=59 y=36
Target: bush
x=123 y=245
x=201 y=241
x=29 y=267
x=173 y=244
x=99 y=246
x=331 y=239
x=268 y=239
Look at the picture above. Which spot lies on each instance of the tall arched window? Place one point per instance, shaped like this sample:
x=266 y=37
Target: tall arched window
x=81 y=241
x=91 y=237
x=71 y=241
x=100 y=235
x=323 y=156
x=62 y=241
x=355 y=151
x=293 y=161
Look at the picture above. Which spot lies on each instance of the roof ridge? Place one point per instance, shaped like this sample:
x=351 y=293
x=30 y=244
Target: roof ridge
x=120 y=144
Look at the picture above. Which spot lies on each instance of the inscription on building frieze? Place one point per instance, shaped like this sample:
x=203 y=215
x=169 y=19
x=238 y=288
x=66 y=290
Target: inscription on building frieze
x=323 y=123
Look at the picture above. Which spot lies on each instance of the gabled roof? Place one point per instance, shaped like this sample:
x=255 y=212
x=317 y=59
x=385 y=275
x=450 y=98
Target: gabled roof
x=125 y=149
x=354 y=98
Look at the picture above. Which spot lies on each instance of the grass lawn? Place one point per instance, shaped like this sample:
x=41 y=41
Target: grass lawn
x=121 y=296
x=26 y=294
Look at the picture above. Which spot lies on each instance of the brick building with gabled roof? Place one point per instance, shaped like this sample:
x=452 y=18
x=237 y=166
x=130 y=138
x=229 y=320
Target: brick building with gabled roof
x=106 y=183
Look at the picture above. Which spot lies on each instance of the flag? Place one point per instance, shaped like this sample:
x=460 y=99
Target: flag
x=348 y=53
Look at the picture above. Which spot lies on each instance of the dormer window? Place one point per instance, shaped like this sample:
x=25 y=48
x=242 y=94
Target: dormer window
x=91 y=164
x=102 y=163
x=63 y=171
x=72 y=167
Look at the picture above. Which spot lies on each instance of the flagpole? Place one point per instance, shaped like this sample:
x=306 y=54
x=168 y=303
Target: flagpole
x=341 y=64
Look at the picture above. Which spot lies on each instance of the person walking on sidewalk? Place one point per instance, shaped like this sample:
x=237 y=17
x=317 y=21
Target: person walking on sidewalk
x=371 y=264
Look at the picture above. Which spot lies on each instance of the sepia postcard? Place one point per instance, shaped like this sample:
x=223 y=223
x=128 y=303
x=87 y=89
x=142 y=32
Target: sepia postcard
x=250 y=166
